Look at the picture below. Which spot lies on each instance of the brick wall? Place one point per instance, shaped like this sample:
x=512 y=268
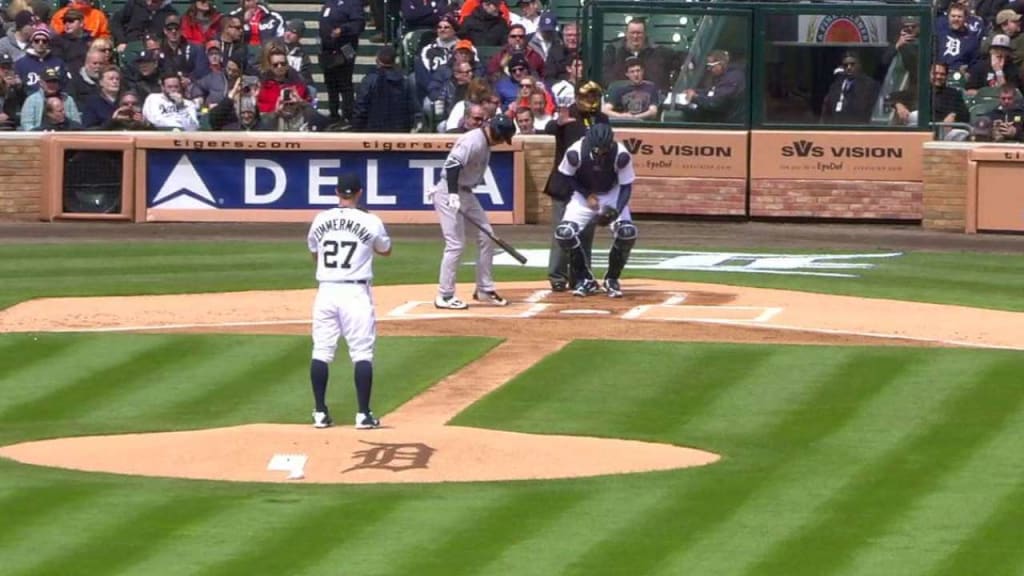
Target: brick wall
x=20 y=176
x=836 y=199
x=690 y=196
x=539 y=156
x=944 y=205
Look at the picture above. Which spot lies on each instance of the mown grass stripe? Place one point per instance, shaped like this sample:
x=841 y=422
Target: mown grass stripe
x=23 y=353
x=880 y=495
x=92 y=388
x=708 y=503
x=29 y=507
x=994 y=546
x=297 y=539
x=127 y=535
x=957 y=510
x=902 y=391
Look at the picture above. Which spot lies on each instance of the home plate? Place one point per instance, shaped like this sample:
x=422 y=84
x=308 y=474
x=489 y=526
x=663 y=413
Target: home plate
x=594 y=311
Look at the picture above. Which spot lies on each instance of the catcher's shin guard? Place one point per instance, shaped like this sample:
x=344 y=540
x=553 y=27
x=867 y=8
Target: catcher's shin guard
x=568 y=236
x=625 y=238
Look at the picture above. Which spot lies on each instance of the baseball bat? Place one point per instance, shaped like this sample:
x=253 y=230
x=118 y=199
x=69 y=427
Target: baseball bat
x=497 y=240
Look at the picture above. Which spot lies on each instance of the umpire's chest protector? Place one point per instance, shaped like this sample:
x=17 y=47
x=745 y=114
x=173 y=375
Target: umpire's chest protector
x=601 y=177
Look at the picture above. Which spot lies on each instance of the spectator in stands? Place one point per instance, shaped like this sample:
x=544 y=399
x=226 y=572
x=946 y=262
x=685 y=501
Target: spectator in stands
x=524 y=122
x=984 y=10
x=99 y=108
x=54 y=117
x=907 y=48
x=72 y=44
x=721 y=94
x=179 y=56
x=546 y=36
x=564 y=91
x=527 y=85
x=508 y=85
x=542 y=109
x=385 y=101
x=996 y=70
x=436 y=55
x=127 y=115
x=292 y=114
x=169 y=109
x=452 y=91
x=259 y=22
x=947 y=103
x=106 y=48
x=136 y=18
x=486 y=26
x=562 y=53
x=237 y=111
x=1008 y=117
x=43 y=9
x=423 y=14
x=515 y=46
x=477 y=92
x=85 y=81
x=661 y=64
x=955 y=43
x=214 y=86
x=474 y=117
x=277 y=76
x=297 y=57
x=636 y=99
x=851 y=96
x=18 y=38
x=341 y=23
x=143 y=76
x=464 y=52
x=93 y=20
x=1008 y=22
x=12 y=94
x=201 y=22
x=232 y=48
x=50 y=86
x=37 y=59
x=528 y=16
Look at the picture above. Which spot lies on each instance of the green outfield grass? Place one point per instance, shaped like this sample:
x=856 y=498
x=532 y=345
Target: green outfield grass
x=32 y=271
x=836 y=460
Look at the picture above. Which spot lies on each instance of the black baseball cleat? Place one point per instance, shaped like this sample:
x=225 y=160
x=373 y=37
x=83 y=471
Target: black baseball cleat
x=611 y=286
x=559 y=286
x=490 y=297
x=586 y=288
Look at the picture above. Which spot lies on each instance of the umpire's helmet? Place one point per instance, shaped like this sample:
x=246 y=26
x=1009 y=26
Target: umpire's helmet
x=600 y=140
x=588 y=97
x=502 y=128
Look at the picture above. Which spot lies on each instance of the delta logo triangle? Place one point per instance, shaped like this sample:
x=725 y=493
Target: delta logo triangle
x=184 y=189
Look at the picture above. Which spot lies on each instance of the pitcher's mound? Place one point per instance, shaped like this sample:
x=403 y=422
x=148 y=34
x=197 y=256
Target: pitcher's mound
x=344 y=455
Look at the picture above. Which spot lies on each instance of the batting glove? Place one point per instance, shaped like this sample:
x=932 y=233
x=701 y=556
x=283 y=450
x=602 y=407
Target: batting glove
x=454 y=202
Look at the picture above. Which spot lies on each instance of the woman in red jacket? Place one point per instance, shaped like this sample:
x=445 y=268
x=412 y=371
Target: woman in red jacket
x=201 y=22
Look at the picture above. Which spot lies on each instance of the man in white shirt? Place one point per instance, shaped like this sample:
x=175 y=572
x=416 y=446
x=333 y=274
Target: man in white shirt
x=343 y=242
x=528 y=16
x=169 y=108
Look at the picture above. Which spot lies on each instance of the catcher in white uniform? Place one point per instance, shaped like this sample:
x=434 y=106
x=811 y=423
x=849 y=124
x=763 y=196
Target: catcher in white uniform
x=343 y=242
x=463 y=170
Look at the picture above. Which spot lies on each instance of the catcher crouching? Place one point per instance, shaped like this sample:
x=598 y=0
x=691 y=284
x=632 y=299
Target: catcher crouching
x=601 y=172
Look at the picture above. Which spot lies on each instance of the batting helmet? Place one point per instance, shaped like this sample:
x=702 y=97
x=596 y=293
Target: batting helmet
x=503 y=128
x=588 y=97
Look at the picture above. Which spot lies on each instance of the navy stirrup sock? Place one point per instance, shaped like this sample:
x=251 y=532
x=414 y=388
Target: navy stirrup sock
x=364 y=384
x=318 y=376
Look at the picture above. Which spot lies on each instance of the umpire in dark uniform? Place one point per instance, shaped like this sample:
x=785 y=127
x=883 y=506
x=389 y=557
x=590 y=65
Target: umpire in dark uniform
x=571 y=125
x=341 y=23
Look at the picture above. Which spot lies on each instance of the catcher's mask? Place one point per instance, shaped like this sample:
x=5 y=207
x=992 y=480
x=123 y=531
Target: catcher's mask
x=600 y=142
x=588 y=97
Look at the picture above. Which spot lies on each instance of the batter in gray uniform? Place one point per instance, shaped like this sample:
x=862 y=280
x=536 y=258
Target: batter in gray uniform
x=464 y=170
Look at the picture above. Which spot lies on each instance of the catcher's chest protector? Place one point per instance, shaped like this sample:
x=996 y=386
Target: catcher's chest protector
x=598 y=177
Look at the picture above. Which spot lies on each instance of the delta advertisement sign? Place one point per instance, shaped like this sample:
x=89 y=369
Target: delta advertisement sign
x=891 y=157
x=192 y=182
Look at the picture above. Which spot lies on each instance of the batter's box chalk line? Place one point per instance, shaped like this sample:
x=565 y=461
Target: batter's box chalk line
x=407 y=311
x=293 y=464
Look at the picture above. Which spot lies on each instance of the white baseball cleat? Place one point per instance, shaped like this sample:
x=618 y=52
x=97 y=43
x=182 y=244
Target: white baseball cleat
x=322 y=420
x=366 y=421
x=490 y=297
x=450 y=303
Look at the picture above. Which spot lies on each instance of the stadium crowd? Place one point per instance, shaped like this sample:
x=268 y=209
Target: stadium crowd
x=147 y=66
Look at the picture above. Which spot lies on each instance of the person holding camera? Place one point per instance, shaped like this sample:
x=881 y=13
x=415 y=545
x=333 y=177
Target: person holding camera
x=277 y=76
x=292 y=114
x=238 y=111
x=341 y=23
x=907 y=48
x=169 y=109
x=127 y=115
x=1008 y=117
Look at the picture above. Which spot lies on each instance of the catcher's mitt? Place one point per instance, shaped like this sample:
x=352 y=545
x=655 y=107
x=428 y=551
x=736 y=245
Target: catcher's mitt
x=607 y=215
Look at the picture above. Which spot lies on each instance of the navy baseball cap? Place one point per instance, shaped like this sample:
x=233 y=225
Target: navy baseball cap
x=349 y=184
x=548 y=22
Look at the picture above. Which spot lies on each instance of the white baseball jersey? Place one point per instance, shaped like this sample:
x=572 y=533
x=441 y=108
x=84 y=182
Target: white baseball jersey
x=472 y=152
x=346 y=239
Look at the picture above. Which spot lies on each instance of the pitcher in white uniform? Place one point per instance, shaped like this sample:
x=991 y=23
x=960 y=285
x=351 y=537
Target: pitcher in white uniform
x=463 y=170
x=343 y=242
